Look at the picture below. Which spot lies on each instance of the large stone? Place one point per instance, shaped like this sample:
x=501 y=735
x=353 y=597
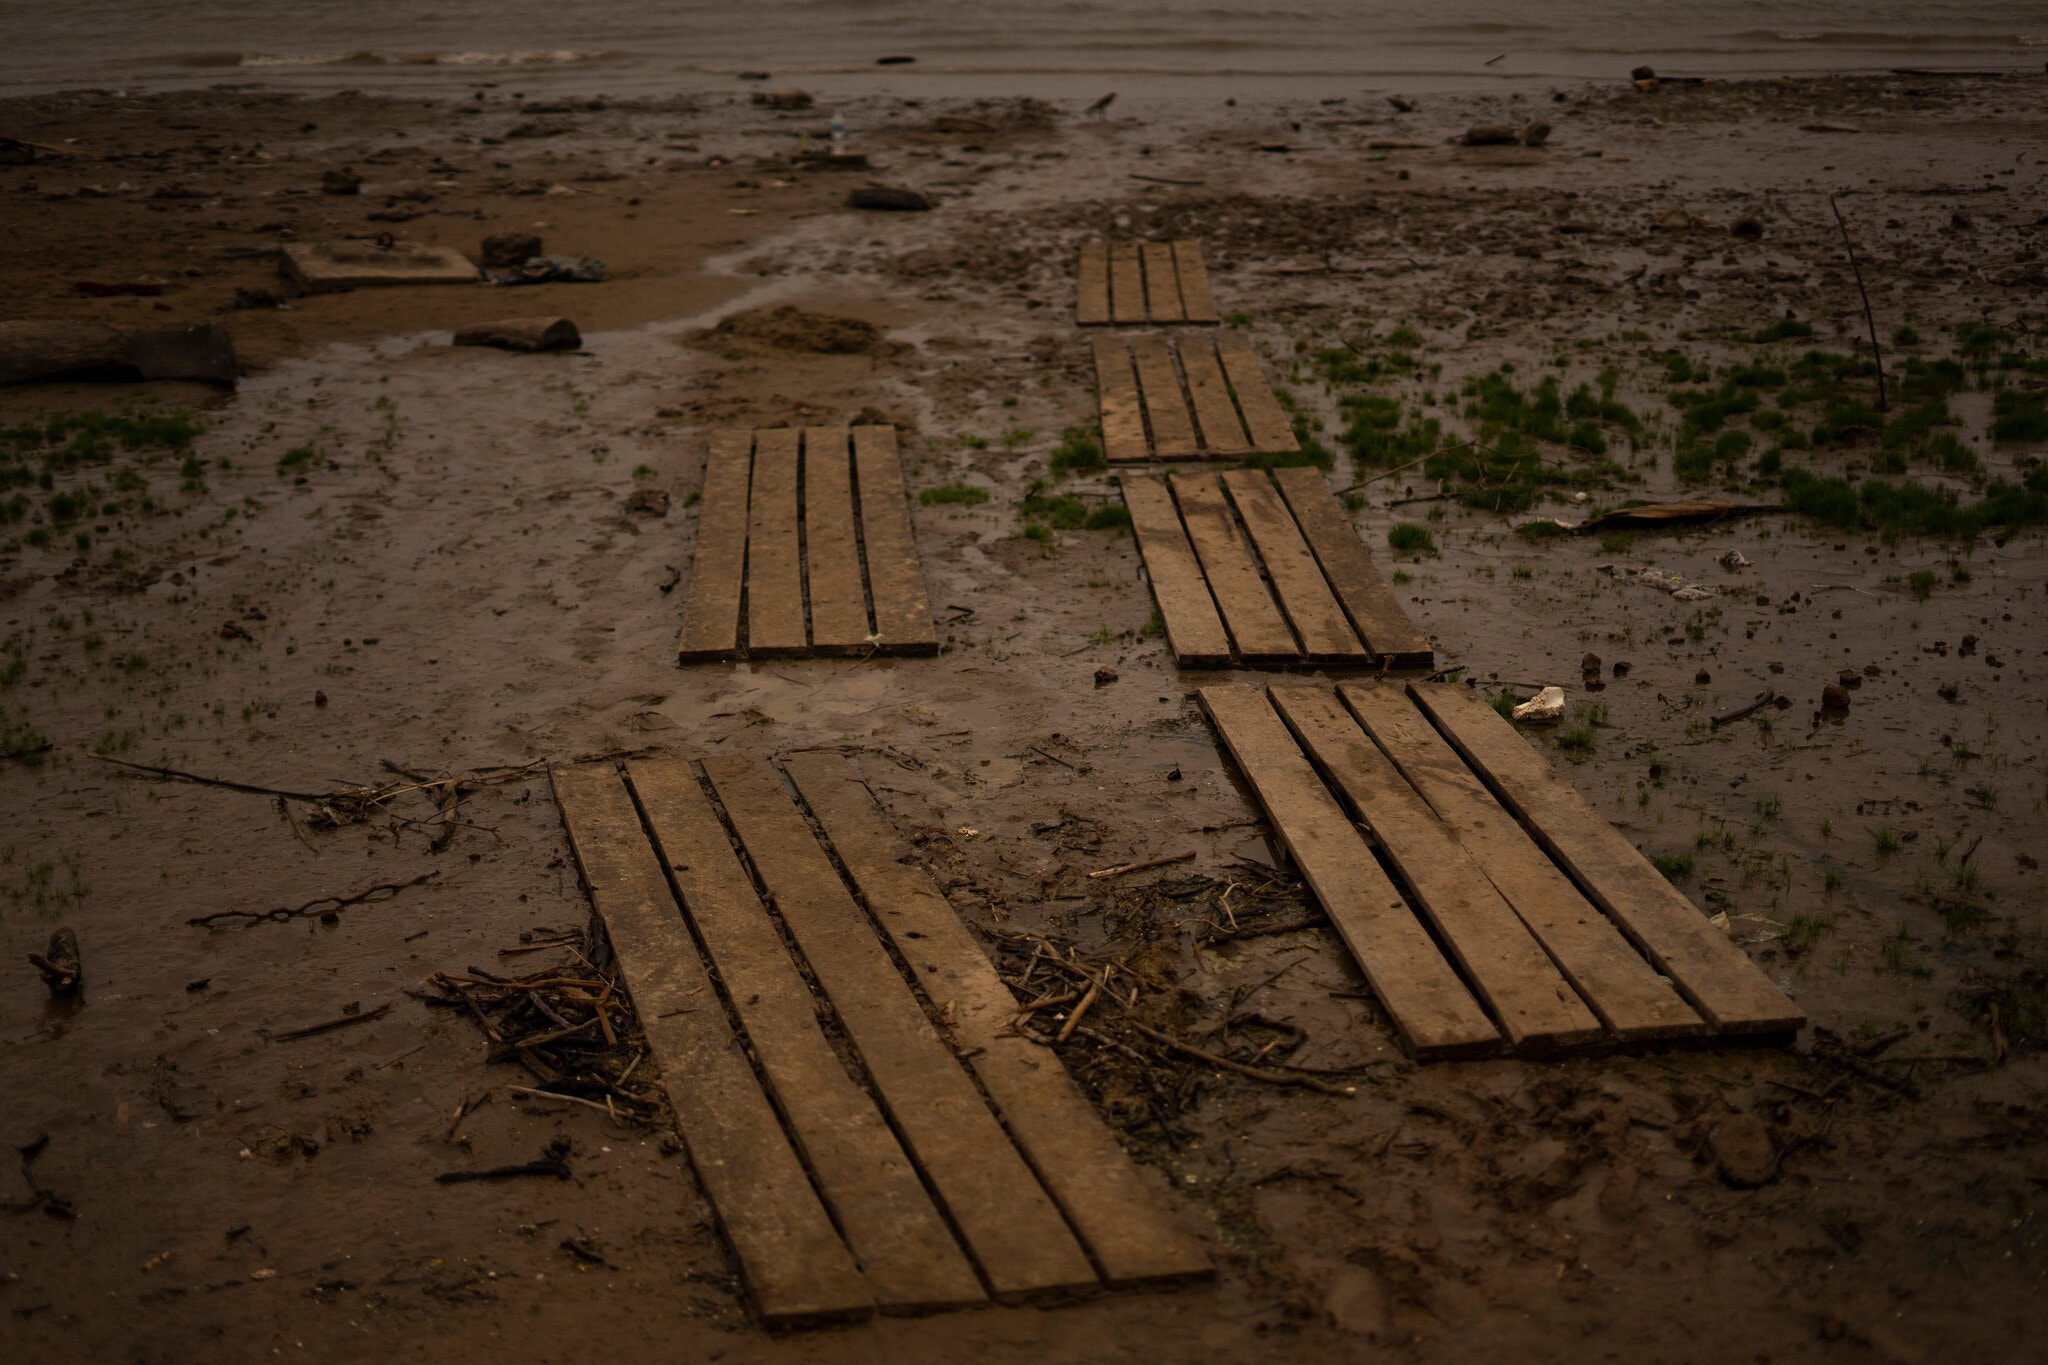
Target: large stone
x=203 y=351
x=887 y=197
x=319 y=267
x=1489 y=135
x=507 y=250
x=1741 y=1145
x=45 y=349
x=523 y=334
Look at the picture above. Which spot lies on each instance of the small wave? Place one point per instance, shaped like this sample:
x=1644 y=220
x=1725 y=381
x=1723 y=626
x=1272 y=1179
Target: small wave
x=379 y=57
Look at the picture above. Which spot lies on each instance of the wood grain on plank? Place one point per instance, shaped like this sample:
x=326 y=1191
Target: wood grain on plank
x=1196 y=300
x=1586 y=946
x=1120 y=1214
x=903 y=608
x=711 y=613
x=1008 y=1220
x=1255 y=624
x=1222 y=432
x=908 y=1253
x=1193 y=629
x=1264 y=418
x=1123 y=419
x=1162 y=283
x=775 y=592
x=1534 y=1005
x=1126 y=284
x=1173 y=432
x=1715 y=976
x=1365 y=596
x=1091 y=295
x=791 y=1258
x=839 y=602
x=1430 y=1008
x=1326 y=634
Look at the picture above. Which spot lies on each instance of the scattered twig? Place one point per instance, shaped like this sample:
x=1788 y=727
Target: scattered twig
x=1163 y=180
x=333 y=903
x=1141 y=867
x=344 y=1021
x=1255 y=1073
x=1869 y=318
x=551 y=1167
x=1730 y=717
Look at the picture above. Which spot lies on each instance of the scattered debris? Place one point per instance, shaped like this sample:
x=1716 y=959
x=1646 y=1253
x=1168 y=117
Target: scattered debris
x=523 y=334
x=551 y=270
x=552 y=1164
x=343 y=181
x=652 y=502
x=59 y=963
x=350 y=1016
x=1545 y=708
x=1105 y=675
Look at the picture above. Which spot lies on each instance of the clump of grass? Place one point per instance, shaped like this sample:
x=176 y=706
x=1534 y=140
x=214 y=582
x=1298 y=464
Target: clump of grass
x=954 y=494
x=1921 y=583
x=2019 y=415
x=1803 y=931
x=1409 y=538
x=1676 y=867
x=1887 y=839
x=1077 y=450
x=1111 y=516
x=1784 y=329
x=1904 y=509
x=1896 y=955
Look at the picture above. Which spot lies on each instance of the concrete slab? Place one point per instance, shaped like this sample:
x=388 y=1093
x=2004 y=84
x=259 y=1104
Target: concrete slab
x=319 y=267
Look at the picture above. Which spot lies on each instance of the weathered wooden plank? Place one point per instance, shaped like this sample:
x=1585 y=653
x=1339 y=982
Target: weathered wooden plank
x=1222 y=433
x=1255 y=624
x=1430 y=1008
x=1194 y=632
x=1091 y=295
x=1119 y=1213
x=1326 y=636
x=1123 y=419
x=903 y=609
x=711 y=613
x=1714 y=975
x=1162 y=283
x=1620 y=986
x=1126 y=284
x=1264 y=419
x=775 y=593
x=1195 y=298
x=1173 y=432
x=839 y=603
x=1005 y=1215
x=1366 y=599
x=792 y=1260
x=1534 y=1005
x=903 y=1244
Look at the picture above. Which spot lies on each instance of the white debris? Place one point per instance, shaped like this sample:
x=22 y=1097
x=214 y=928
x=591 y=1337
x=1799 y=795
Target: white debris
x=1545 y=708
x=1734 y=560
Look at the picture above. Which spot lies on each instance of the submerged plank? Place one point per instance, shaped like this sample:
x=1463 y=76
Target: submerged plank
x=1193 y=629
x=711 y=613
x=1198 y=303
x=1162 y=283
x=792 y=1260
x=1326 y=636
x=1091 y=295
x=903 y=1244
x=775 y=592
x=903 y=610
x=839 y=603
x=1126 y=284
x=1173 y=433
x=1715 y=976
x=1123 y=420
x=1366 y=598
x=1533 y=1004
x=1613 y=978
x=1119 y=1213
x=1255 y=623
x=1005 y=1215
x=1264 y=418
x=1222 y=433
x=1433 y=1012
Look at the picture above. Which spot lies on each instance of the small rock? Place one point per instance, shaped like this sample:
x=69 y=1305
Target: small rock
x=1702 y=678
x=1742 y=1149
x=1589 y=662
x=1104 y=676
x=1733 y=560
x=1849 y=678
x=1747 y=227
x=319 y=697
x=651 y=502
x=59 y=963
x=1948 y=691
x=343 y=181
x=1535 y=132
x=888 y=197
x=1642 y=73
x=1488 y=135
x=1834 y=697
x=1621 y=668
x=1401 y=106
x=1672 y=220
x=791 y=98
x=1545 y=708
x=504 y=250
x=1967 y=647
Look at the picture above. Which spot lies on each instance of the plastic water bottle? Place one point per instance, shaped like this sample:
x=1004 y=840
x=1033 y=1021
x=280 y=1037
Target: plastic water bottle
x=838 y=134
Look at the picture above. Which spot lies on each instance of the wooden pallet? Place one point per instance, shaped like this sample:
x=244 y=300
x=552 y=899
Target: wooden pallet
x=1246 y=574
x=910 y=1152
x=1137 y=282
x=1215 y=404
x=804 y=547
x=1502 y=913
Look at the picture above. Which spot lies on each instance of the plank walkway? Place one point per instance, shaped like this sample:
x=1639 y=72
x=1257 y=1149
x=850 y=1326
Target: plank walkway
x=804 y=546
x=1153 y=408
x=1247 y=572
x=1129 y=283
x=860 y=1155
x=1518 y=919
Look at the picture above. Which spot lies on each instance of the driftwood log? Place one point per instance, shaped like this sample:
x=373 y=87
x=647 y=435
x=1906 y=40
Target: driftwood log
x=523 y=334
x=47 y=348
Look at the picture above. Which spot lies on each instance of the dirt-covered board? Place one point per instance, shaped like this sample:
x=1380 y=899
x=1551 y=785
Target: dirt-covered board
x=1128 y=283
x=1191 y=397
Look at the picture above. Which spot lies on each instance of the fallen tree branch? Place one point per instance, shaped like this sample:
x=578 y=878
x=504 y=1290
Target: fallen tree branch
x=1255 y=1073
x=333 y=903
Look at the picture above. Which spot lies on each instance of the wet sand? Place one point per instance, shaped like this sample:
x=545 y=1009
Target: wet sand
x=454 y=570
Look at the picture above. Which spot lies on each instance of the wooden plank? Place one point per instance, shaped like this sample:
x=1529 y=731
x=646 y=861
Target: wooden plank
x=1195 y=298
x=1366 y=598
x=1620 y=986
x=711 y=613
x=1254 y=622
x=1126 y=284
x=1119 y=1213
x=775 y=592
x=903 y=610
x=1162 y=283
x=1433 y=1012
x=792 y=1260
x=1091 y=295
x=873 y=1188
x=1008 y=1220
x=1194 y=632
x=1266 y=421
x=1123 y=419
x=1222 y=433
x=1173 y=431
x=1714 y=975
x=1326 y=636
x=839 y=603
x=1534 y=1005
